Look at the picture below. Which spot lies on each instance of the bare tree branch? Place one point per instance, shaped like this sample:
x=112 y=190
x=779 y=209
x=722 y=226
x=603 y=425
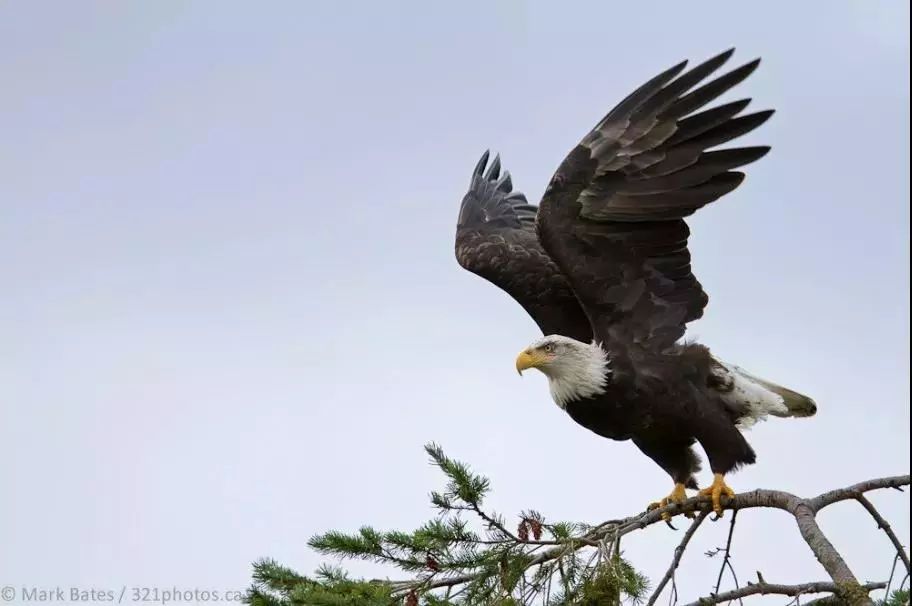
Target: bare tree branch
x=678 y=554
x=824 y=551
x=726 y=561
x=764 y=588
x=844 y=494
x=888 y=530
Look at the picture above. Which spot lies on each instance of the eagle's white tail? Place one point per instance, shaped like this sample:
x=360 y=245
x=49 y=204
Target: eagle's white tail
x=755 y=398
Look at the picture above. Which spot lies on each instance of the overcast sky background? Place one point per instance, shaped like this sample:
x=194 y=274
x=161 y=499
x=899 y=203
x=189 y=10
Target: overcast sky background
x=231 y=314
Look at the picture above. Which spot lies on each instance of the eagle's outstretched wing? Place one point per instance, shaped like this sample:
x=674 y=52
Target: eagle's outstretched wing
x=495 y=239
x=612 y=217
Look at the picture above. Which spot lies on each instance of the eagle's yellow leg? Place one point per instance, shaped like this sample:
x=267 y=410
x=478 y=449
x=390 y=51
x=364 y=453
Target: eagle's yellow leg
x=715 y=492
x=678 y=495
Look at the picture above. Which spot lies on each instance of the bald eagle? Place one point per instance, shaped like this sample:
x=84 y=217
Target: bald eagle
x=602 y=267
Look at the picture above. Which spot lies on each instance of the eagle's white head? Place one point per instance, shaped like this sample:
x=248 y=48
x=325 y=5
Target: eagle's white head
x=575 y=370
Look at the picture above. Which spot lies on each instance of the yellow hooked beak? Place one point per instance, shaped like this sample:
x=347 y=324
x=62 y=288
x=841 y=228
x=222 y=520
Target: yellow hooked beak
x=529 y=359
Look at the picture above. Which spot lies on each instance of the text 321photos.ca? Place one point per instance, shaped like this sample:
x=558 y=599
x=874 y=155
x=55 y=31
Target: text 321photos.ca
x=33 y=594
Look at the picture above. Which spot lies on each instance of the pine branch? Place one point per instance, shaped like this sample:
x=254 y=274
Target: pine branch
x=574 y=563
x=803 y=510
x=494 y=523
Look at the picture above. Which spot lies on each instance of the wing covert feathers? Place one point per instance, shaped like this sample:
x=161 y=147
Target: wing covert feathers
x=496 y=239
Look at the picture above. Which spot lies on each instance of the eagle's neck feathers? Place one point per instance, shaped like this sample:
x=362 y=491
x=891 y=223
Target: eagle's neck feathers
x=582 y=373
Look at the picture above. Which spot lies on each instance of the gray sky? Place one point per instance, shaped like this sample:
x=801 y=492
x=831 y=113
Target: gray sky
x=232 y=315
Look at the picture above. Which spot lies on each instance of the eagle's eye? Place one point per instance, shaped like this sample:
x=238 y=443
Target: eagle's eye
x=548 y=348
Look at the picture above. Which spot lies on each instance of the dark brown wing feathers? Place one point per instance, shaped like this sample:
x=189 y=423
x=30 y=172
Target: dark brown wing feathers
x=496 y=239
x=612 y=215
x=608 y=248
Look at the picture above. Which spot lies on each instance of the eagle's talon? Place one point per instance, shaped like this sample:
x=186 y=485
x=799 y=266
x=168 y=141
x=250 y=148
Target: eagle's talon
x=715 y=492
x=677 y=496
